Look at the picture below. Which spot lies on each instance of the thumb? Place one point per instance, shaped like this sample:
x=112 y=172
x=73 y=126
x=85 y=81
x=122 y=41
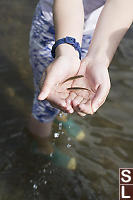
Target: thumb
x=99 y=98
x=47 y=87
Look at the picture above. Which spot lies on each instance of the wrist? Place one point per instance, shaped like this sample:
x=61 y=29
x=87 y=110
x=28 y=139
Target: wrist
x=70 y=62
x=98 y=59
x=66 y=50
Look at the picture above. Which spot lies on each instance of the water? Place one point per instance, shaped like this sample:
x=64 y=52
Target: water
x=88 y=169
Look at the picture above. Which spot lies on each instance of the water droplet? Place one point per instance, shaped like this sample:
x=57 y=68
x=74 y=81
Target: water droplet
x=60 y=125
x=56 y=135
x=35 y=186
x=69 y=145
x=31 y=181
x=51 y=154
x=60 y=114
x=68 y=138
x=44 y=170
x=45 y=182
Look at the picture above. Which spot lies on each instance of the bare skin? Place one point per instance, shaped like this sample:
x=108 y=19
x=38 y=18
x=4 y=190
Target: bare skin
x=57 y=83
x=100 y=52
x=94 y=67
x=41 y=133
x=37 y=128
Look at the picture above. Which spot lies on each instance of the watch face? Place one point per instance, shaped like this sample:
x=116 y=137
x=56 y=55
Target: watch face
x=70 y=40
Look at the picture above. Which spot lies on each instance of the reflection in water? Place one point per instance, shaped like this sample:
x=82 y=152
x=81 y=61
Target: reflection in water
x=80 y=161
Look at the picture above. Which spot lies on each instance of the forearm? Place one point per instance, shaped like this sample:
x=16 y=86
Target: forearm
x=114 y=21
x=68 y=16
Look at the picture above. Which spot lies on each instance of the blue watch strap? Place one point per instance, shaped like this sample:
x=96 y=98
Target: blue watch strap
x=68 y=40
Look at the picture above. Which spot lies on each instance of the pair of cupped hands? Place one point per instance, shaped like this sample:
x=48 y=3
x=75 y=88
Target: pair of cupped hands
x=74 y=85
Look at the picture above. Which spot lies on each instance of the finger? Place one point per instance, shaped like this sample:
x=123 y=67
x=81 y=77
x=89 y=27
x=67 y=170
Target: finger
x=69 y=108
x=77 y=100
x=49 y=82
x=81 y=114
x=58 y=103
x=99 y=97
x=84 y=101
x=57 y=99
x=86 y=108
x=70 y=98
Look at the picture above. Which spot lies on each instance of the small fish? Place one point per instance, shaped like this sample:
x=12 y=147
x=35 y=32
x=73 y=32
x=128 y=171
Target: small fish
x=78 y=88
x=73 y=78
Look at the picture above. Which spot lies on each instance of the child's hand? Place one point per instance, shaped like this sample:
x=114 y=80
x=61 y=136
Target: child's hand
x=54 y=90
x=96 y=79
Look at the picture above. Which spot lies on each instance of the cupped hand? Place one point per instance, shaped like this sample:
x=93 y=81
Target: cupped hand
x=95 y=84
x=54 y=87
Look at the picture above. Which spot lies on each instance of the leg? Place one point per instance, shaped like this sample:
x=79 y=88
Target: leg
x=38 y=128
x=41 y=40
x=41 y=132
